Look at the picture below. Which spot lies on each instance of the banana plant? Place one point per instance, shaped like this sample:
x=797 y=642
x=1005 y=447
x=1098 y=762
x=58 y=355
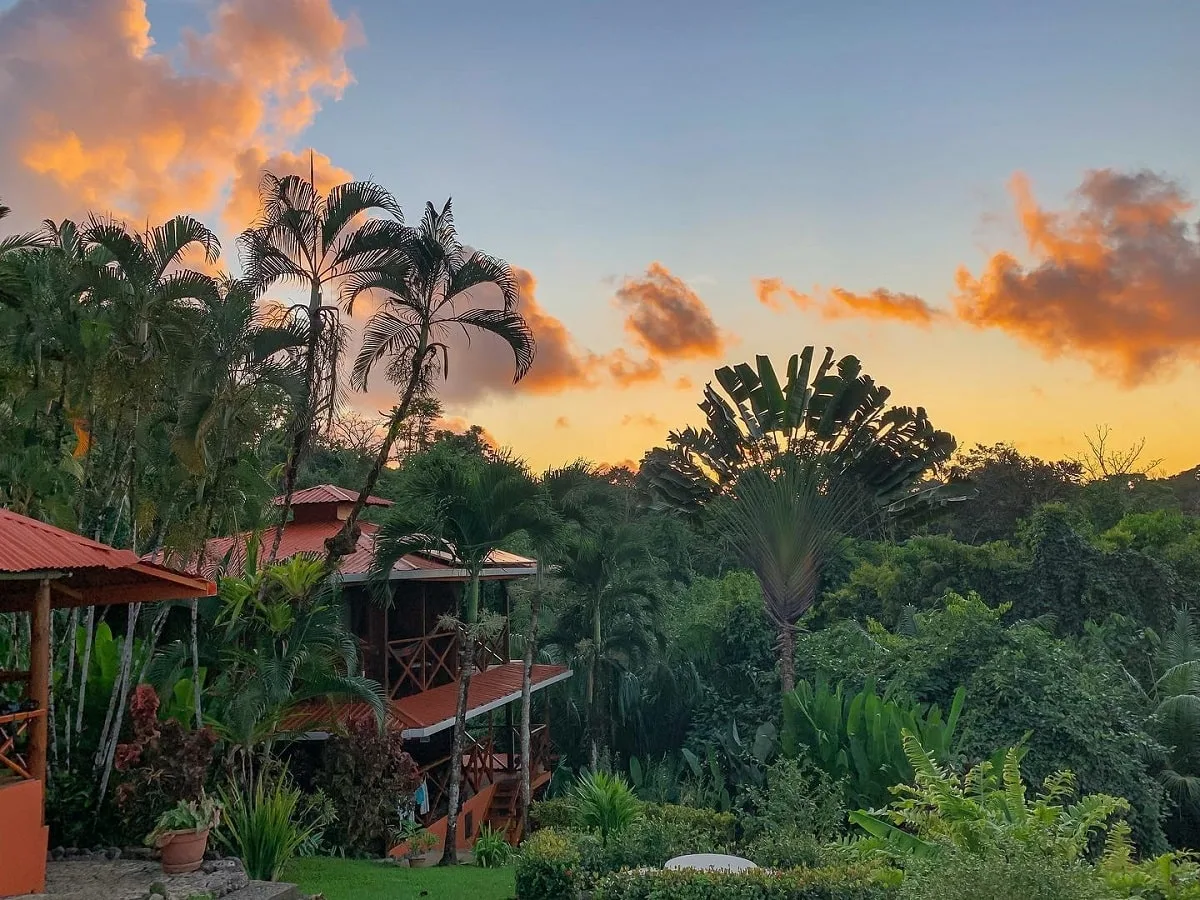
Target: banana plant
x=857 y=737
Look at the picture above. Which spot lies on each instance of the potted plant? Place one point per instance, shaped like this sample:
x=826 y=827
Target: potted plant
x=181 y=835
x=415 y=843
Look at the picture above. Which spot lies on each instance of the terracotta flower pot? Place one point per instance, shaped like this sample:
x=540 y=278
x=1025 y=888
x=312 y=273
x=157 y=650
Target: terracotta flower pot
x=183 y=851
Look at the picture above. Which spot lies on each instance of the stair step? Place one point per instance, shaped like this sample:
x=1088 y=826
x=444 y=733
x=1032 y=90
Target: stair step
x=265 y=890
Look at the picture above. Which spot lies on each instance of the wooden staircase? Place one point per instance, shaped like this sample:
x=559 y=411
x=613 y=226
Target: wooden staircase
x=504 y=814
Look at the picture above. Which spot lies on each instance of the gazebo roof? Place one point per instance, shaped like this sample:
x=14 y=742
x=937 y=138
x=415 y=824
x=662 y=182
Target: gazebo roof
x=82 y=572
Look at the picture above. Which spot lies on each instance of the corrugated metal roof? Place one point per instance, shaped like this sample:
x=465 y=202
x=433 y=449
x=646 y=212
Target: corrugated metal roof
x=329 y=493
x=434 y=707
x=430 y=711
x=227 y=554
x=27 y=545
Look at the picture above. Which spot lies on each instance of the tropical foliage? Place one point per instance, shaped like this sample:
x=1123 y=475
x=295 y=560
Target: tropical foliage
x=807 y=631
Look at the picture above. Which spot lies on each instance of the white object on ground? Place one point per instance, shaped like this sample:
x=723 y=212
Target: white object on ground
x=710 y=862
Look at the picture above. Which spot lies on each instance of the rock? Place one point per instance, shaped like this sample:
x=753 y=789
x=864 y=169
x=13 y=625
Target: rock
x=112 y=853
x=57 y=853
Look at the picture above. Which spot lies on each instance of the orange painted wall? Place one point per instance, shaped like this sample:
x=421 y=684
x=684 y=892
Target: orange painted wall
x=476 y=809
x=23 y=839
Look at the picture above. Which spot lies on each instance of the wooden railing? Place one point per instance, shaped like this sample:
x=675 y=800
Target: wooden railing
x=422 y=663
x=12 y=728
x=494 y=756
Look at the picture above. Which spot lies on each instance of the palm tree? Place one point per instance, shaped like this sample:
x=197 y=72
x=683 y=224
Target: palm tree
x=611 y=615
x=241 y=359
x=827 y=432
x=307 y=240
x=151 y=307
x=427 y=296
x=569 y=490
x=466 y=507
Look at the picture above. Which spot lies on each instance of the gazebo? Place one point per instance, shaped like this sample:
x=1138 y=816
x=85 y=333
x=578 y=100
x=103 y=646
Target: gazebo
x=43 y=568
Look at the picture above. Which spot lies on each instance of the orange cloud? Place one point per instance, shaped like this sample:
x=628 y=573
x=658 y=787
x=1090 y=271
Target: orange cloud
x=1114 y=279
x=683 y=383
x=839 y=303
x=97 y=118
x=667 y=317
x=562 y=422
x=627 y=371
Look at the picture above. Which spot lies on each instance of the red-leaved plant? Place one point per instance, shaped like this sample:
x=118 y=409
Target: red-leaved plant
x=163 y=763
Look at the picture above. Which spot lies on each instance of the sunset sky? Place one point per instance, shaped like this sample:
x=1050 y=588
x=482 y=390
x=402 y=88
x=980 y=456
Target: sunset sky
x=991 y=204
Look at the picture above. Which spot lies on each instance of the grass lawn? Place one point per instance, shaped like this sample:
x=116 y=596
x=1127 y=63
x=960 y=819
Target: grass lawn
x=360 y=879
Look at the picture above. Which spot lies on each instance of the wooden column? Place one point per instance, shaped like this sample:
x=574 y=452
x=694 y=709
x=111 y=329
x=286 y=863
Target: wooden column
x=39 y=680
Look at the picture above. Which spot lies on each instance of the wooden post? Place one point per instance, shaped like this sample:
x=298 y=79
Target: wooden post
x=39 y=680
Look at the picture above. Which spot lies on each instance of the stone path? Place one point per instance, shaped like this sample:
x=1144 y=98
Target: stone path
x=133 y=880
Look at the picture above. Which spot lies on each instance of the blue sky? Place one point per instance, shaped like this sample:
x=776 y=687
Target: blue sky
x=860 y=145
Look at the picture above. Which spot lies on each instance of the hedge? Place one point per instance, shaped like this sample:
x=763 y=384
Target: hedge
x=850 y=883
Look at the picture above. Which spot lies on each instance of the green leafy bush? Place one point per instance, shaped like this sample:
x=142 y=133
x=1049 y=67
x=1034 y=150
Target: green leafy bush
x=491 y=847
x=797 y=795
x=849 y=883
x=547 y=867
x=984 y=808
x=1081 y=708
x=605 y=803
x=855 y=737
x=558 y=812
x=1003 y=872
x=367 y=775
x=266 y=827
x=709 y=826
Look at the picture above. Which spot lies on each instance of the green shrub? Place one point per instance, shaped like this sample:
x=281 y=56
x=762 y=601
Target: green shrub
x=548 y=866
x=556 y=813
x=709 y=826
x=651 y=842
x=784 y=847
x=491 y=847
x=605 y=802
x=1015 y=871
x=855 y=737
x=852 y=883
x=267 y=826
x=366 y=774
x=798 y=796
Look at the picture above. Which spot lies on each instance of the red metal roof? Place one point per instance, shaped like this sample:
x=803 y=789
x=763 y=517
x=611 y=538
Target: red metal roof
x=27 y=545
x=329 y=493
x=93 y=573
x=308 y=535
x=430 y=711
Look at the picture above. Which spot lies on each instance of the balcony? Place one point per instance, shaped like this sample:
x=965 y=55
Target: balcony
x=423 y=663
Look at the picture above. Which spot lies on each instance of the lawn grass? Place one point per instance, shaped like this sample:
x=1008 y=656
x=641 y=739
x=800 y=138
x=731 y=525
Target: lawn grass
x=360 y=879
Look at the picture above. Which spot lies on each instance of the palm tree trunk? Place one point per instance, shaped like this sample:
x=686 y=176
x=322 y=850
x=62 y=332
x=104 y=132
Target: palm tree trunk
x=593 y=675
x=342 y=544
x=466 y=665
x=195 y=638
x=466 y=658
x=535 y=610
x=787 y=658
x=109 y=749
x=89 y=635
x=302 y=421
